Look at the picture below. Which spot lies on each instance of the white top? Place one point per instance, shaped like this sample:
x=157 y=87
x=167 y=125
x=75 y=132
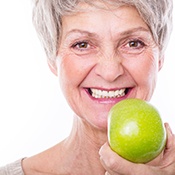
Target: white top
x=14 y=168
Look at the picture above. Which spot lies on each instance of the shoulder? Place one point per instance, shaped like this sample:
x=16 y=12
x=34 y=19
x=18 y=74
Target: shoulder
x=14 y=168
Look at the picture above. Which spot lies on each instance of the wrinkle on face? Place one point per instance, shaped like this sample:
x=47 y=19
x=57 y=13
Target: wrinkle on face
x=108 y=62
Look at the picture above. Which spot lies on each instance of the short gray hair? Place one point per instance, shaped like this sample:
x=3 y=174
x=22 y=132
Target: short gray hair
x=47 y=15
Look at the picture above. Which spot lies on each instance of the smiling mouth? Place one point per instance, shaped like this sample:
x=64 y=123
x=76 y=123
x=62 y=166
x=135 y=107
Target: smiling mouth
x=97 y=93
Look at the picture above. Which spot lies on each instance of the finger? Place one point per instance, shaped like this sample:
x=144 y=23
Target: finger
x=108 y=172
x=169 y=152
x=115 y=164
x=170 y=137
x=157 y=161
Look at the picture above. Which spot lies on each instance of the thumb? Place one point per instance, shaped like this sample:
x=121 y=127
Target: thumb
x=114 y=164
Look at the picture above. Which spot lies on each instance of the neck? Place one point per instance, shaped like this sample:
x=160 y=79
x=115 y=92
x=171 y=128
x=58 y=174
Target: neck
x=76 y=155
x=85 y=142
x=85 y=132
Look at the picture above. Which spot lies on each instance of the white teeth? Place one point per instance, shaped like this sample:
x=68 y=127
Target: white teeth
x=96 y=93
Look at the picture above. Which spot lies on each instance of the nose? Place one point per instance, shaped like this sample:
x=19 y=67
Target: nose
x=109 y=67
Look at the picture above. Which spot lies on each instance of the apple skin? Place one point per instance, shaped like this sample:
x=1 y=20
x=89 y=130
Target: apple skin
x=136 y=131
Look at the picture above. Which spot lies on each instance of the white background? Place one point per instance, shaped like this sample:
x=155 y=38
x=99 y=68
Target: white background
x=33 y=113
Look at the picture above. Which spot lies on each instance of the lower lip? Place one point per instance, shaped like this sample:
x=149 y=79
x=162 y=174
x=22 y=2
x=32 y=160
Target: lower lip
x=108 y=100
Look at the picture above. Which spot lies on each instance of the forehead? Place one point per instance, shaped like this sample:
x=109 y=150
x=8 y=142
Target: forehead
x=107 y=17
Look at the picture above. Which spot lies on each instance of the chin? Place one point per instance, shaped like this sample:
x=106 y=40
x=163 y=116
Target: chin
x=100 y=124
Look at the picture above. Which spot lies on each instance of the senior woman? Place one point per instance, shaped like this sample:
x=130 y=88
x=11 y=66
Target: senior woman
x=103 y=51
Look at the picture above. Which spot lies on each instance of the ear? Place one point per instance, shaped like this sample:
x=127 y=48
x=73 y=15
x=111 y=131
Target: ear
x=161 y=62
x=52 y=66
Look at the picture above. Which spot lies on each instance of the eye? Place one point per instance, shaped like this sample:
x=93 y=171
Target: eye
x=135 y=44
x=82 y=45
x=132 y=46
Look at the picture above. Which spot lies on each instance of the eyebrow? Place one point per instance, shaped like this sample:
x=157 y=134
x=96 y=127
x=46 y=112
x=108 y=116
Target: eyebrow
x=135 y=30
x=123 y=33
x=82 y=32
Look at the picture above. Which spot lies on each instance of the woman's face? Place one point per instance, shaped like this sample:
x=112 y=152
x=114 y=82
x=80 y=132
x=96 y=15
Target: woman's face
x=105 y=56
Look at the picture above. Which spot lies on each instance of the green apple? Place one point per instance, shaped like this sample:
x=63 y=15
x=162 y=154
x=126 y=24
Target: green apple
x=136 y=131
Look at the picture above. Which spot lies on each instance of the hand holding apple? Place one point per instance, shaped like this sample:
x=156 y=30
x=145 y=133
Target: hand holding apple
x=164 y=164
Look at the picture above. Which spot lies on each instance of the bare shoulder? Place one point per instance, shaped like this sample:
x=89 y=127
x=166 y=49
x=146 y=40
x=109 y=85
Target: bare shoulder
x=45 y=162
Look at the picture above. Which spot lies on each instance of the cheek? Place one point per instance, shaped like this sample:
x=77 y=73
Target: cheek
x=148 y=70
x=72 y=71
x=68 y=72
x=144 y=70
x=151 y=69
